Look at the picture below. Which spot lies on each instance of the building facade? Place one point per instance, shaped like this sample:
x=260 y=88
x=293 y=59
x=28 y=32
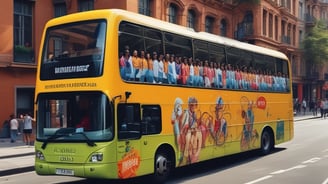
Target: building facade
x=275 y=24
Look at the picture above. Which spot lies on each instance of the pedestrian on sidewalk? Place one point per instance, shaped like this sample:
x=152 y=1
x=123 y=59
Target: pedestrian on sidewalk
x=304 y=106
x=321 y=106
x=13 y=128
x=314 y=107
x=325 y=108
x=27 y=131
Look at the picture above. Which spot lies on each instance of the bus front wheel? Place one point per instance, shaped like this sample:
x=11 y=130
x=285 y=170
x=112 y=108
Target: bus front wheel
x=267 y=142
x=163 y=167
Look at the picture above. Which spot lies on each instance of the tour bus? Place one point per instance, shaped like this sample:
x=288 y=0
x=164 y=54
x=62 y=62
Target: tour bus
x=121 y=95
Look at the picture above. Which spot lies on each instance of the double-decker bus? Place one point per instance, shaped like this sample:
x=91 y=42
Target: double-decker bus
x=121 y=95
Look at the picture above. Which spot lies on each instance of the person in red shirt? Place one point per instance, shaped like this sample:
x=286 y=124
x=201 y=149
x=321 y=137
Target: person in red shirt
x=84 y=107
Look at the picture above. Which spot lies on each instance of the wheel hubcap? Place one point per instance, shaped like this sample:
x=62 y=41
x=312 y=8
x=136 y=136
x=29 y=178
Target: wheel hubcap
x=266 y=141
x=161 y=165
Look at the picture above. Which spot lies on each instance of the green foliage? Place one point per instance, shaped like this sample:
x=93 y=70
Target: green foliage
x=316 y=44
x=22 y=49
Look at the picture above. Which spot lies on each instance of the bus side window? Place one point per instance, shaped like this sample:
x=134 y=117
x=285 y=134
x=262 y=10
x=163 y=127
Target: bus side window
x=151 y=119
x=128 y=116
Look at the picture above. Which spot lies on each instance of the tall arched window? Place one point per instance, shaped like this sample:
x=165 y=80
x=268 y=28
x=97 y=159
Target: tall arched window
x=144 y=7
x=173 y=13
x=191 y=19
x=223 y=27
x=209 y=22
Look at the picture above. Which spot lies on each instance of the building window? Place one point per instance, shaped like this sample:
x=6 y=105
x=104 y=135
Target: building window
x=270 y=25
x=276 y=27
x=144 y=7
x=223 y=27
x=301 y=10
x=209 y=22
x=173 y=13
x=264 y=24
x=23 y=51
x=294 y=35
x=191 y=20
x=60 y=9
x=300 y=38
x=86 y=5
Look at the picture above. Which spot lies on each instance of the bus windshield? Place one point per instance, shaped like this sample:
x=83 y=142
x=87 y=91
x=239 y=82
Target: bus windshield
x=77 y=117
x=73 y=50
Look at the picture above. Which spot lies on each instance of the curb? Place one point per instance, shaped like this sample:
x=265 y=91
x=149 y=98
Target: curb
x=315 y=117
x=17 y=155
x=16 y=170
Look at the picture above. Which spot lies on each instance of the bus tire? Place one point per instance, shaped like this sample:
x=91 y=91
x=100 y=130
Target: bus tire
x=163 y=166
x=267 y=142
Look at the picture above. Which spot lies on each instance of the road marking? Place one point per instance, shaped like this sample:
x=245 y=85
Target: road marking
x=286 y=170
x=325 y=182
x=258 y=180
x=312 y=160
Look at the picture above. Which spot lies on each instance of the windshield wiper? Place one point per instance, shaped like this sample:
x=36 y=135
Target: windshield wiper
x=62 y=132
x=89 y=142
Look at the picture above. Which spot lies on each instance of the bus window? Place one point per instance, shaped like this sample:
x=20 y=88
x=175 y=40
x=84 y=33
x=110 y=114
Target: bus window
x=151 y=119
x=128 y=117
x=217 y=53
x=177 y=45
x=87 y=113
x=139 y=38
x=74 y=50
x=153 y=41
x=201 y=50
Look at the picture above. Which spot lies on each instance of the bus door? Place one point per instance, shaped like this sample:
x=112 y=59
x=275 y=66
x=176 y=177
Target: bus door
x=129 y=134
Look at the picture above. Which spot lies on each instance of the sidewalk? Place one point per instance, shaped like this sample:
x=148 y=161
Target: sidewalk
x=15 y=157
x=308 y=115
x=18 y=157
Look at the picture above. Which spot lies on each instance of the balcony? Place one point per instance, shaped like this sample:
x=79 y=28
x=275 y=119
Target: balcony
x=285 y=40
x=310 y=20
x=244 y=30
x=312 y=76
x=23 y=54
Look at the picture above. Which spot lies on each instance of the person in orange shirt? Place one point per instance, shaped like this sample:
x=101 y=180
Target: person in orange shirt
x=238 y=78
x=211 y=74
x=144 y=66
x=136 y=65
x=184 y=71
x=166 y=68
x=224 y=75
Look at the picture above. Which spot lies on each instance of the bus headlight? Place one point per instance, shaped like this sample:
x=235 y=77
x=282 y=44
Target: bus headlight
x=39 y=155
x=96 y=157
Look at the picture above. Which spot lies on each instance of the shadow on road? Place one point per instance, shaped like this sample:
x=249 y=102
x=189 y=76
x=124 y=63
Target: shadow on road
x=192 y=171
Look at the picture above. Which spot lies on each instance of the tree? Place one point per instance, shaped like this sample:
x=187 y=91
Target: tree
x=316 y=44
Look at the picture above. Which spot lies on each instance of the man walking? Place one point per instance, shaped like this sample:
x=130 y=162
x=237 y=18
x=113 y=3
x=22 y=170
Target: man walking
x=13 y=128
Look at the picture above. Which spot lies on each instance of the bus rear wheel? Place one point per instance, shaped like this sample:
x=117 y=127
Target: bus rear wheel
x=267 y=142
x=163 y=167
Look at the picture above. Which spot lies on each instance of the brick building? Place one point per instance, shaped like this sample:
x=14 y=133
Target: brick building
x=276 y=24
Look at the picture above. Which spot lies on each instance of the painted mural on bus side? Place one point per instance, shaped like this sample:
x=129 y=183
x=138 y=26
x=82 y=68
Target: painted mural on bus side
x=198 y=126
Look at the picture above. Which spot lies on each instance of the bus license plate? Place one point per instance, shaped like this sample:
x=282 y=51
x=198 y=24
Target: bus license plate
x=66 y=172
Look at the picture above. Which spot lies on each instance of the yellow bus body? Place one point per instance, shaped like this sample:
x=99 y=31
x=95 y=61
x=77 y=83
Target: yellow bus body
x=272 y=112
